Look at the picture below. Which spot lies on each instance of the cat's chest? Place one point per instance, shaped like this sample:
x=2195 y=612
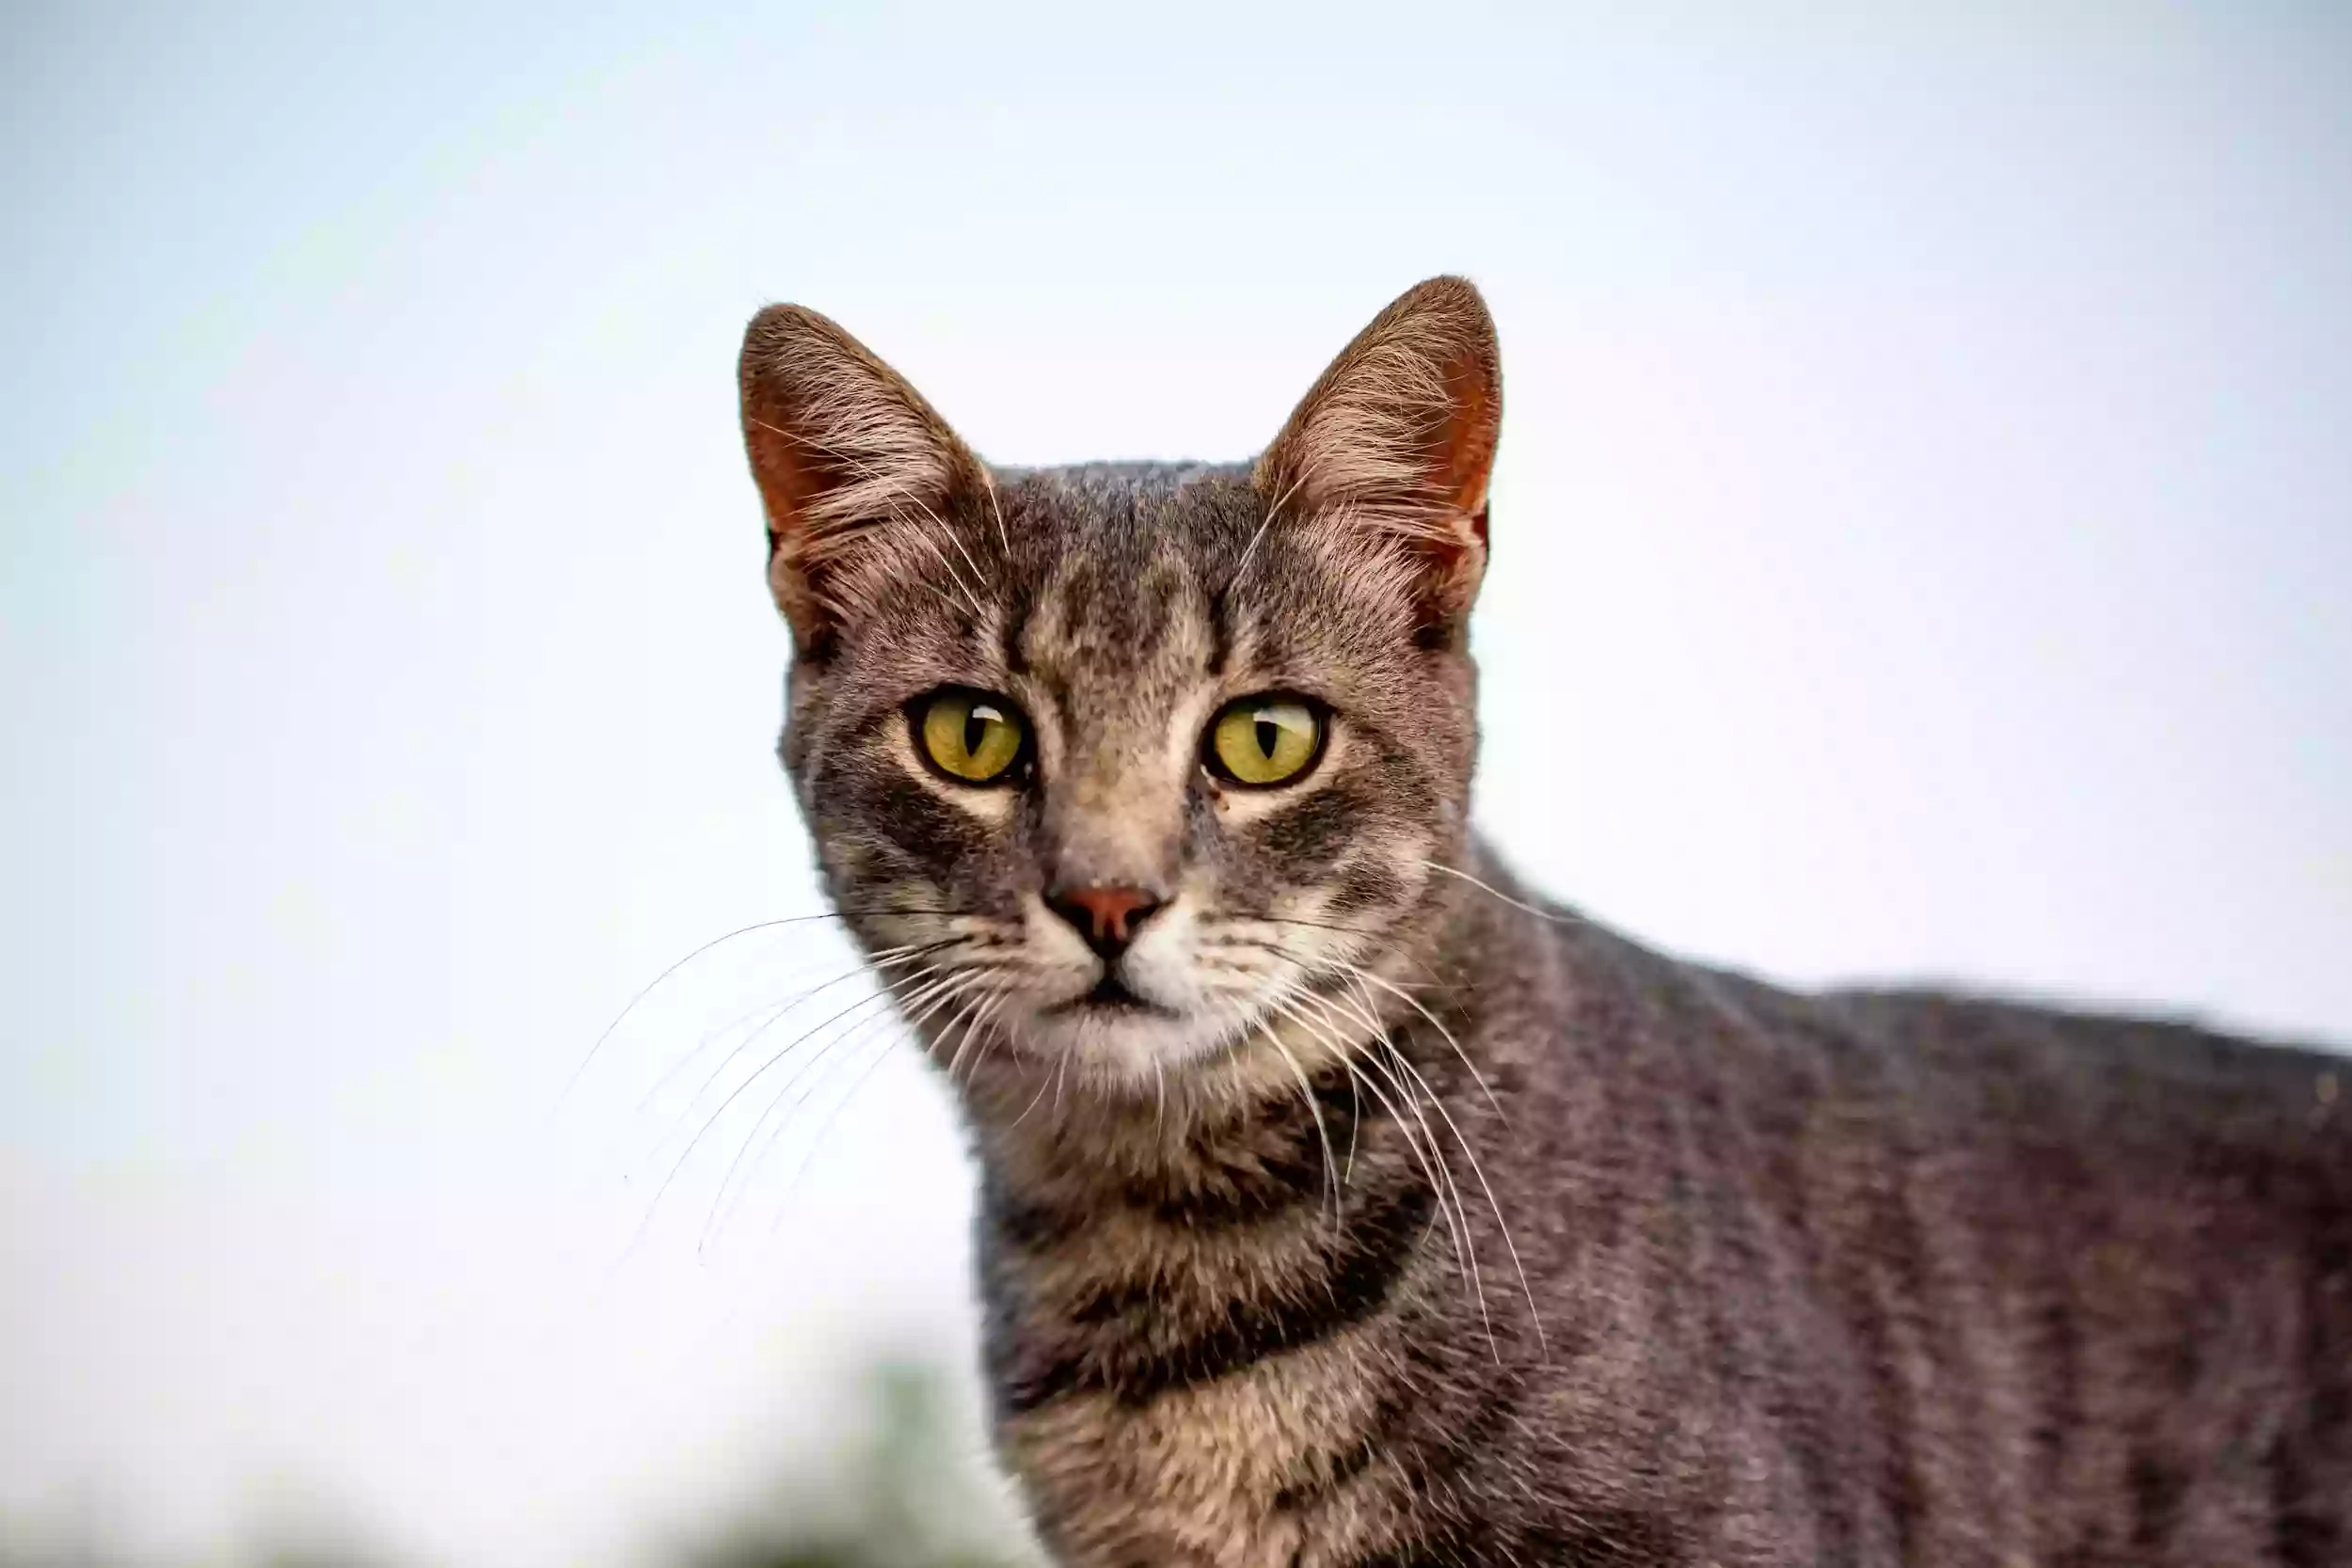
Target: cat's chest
x=1273 y=1465
x=1212 y=1395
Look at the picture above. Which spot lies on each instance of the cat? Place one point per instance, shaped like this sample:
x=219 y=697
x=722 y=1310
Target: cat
x=1342 y=1203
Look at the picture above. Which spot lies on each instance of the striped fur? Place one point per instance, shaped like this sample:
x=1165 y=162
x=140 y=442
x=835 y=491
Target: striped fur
x=1410 y=1222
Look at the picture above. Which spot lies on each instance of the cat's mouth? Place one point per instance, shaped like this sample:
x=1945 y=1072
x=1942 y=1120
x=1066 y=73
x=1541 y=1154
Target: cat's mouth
x=1110 y=995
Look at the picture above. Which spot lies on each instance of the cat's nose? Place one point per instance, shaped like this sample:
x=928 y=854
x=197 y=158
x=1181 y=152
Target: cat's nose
x=1106 y=915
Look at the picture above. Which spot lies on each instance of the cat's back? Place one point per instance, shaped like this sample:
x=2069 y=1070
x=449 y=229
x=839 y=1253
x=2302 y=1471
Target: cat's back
x=2135 y=1271
x=2077 y=1284
x=1947 y=1071
x=2155 y=1100
x=2013 y=1117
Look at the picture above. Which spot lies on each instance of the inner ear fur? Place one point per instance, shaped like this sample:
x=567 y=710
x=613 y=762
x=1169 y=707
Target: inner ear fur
x=844 y=452
x=1396 y=439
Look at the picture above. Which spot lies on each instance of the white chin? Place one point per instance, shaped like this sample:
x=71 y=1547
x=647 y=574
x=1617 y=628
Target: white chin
x=1123 y=1046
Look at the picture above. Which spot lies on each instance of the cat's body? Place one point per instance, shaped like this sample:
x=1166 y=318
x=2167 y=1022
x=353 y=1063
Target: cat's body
x=1341 y=1206
x=1823 y=1279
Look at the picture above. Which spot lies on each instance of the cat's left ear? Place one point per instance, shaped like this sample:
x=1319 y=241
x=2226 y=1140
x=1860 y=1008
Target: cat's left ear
x=1397 y=439
x=847 y=457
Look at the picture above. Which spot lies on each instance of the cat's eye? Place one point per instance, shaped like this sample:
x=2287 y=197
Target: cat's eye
x=970 y=735
x=1265 y=740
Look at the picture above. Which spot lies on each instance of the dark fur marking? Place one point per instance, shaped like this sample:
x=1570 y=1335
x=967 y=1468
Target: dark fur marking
x=1020 y=606
x=1351 y=1462
x=1366 y=884
x=1355 y=1284
x=1311 y=834
x=1220 y=631
x=2157 y=1489
x=1596 y=1538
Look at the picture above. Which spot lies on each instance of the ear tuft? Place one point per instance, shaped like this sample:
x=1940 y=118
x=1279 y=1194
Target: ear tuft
x=1397 y=439
x=840 y=446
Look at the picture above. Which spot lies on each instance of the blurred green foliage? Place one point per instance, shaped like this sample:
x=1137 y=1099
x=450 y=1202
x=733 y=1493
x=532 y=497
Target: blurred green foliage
x=908 y=1505
x=902 y=1494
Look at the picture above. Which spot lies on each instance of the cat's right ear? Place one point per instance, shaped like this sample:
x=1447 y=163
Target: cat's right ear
x=1394 y=447
x=845 y=453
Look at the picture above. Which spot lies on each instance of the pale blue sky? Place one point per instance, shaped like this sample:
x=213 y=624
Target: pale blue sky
x=1923 y=532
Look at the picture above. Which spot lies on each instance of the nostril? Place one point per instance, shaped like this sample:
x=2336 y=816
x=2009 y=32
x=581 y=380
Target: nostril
x=1106 y=915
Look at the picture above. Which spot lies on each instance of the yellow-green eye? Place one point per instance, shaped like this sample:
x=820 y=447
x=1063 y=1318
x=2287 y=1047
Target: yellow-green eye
x=1265 y=740
x=970 y=735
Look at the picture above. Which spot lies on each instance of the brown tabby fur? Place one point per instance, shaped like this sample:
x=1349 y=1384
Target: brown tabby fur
x=1405 y=1221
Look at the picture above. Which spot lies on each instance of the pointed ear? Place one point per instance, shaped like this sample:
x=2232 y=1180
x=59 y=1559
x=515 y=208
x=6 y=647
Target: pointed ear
x=845 y=453
x=1397 y=439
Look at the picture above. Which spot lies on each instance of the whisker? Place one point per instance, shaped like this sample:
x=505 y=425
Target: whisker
x=808 y=1156
x=1355 y=1117
x=1315 y=1111
x=1552 y=915
x=773 y=1011
x=1365 y=976
x=1273 y=511
x=1003 y=538
x=987 y=1023
x=755 y=1077
x=1044 y=1084
x=1431 y=1154
x=813 y=1074
x=1478 y=1170
x=572 y=1083
x=1315 y=925
x=1308 y=962
x=654 y=983
x=1346 y=1060
x=881 y=968
x=986 y=1006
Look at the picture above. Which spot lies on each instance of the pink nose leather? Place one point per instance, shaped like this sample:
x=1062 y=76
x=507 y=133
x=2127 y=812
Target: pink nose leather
x=1105 y=916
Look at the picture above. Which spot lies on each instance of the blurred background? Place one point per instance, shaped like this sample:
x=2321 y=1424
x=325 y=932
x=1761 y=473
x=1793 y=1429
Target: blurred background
x=1923 y=532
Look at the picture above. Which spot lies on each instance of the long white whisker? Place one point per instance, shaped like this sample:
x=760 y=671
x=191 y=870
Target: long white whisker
x=1044 y=1084
x=654 y=983
x=810 y=1074
x=1323 y=1135
x=773 y=1010
x=687 y=1114
x=1543 y=1343
x=989 y=480
x=1272 y=511
x=813 y=1075
x=979 y=576
x=970 y=601
x=729 y=1059
x=688 y=1152
x=808 y=1157
x=971 y=1021
x=972 y=592
x=992 y=1032
x=1553 y=916
x=1433 y=1152
x=1367 y=977
x=961 y=987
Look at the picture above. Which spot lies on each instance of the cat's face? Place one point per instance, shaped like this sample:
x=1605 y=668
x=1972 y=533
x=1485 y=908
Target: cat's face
x=1110 y=768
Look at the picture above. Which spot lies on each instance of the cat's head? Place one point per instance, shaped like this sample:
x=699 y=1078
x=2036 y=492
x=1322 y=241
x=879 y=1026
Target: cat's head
x=1111 y=768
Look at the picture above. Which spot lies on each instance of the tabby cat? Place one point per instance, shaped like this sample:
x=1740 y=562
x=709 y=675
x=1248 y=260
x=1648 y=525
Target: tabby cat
x=1344 y=1204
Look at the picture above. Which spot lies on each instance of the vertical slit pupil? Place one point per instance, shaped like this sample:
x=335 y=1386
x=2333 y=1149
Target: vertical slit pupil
x=974 y=731
x=1269 y=736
